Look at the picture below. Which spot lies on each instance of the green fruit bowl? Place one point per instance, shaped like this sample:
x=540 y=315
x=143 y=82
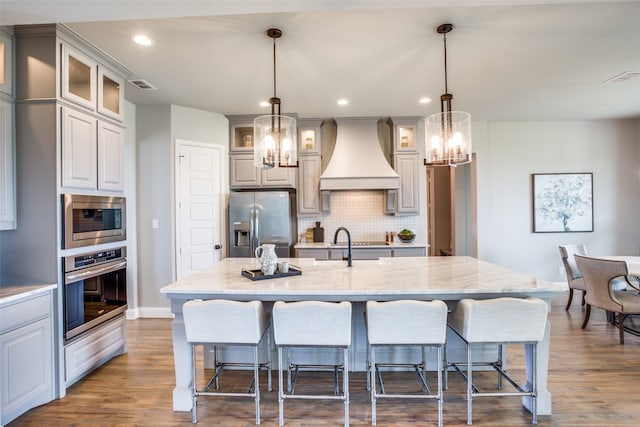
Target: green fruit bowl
x=406 y=237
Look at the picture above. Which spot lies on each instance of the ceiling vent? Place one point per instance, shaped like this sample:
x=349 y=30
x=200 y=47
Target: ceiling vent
x=623 y=77
x=142 y=84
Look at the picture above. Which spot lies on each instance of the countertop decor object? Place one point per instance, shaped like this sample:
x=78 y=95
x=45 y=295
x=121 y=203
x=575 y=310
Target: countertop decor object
x=406 y=236
x=318 y=233
x=257 y=274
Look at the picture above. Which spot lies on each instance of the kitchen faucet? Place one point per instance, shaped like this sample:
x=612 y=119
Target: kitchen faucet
x=335 y=240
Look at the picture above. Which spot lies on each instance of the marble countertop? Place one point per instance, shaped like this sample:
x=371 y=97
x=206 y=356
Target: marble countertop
x=12 y=293
x=386 y=278
x=342 y=245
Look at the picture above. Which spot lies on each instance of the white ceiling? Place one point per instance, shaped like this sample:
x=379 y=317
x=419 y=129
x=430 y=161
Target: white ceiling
x=507 y=60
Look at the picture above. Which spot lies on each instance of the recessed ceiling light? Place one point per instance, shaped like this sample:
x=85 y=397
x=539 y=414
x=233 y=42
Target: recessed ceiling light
x=343 y=101
x=425 y=100
x=264 y=103
x=141 y=39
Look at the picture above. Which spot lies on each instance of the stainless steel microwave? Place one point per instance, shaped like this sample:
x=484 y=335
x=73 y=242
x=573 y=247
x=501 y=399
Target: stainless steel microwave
x=91 y=220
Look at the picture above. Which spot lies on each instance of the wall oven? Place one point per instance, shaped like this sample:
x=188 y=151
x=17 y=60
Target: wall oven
x=91 y=220
x=95 y=289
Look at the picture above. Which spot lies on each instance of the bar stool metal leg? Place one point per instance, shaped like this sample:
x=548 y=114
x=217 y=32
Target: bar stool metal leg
x=345 y=384
x=280 y=389
x=440 y=394
x=469 y=384
x=194 y=397
x=372 y=383
x=256 y=376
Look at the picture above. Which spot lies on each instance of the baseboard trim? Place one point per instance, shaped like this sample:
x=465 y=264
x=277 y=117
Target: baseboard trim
x=149 y=312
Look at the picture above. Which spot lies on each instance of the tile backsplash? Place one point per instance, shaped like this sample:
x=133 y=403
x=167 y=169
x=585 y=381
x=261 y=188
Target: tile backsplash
x=362 y=213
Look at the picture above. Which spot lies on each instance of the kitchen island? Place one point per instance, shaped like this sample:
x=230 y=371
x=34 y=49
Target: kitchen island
x=424 y=278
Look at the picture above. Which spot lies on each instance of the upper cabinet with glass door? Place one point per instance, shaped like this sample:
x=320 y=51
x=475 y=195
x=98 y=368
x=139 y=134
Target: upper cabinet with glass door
x=79 y=74
x=309 y=136
x=6 y=64
x=110 y=93
x=405 y=135
x=87 y=83
x=241 y=133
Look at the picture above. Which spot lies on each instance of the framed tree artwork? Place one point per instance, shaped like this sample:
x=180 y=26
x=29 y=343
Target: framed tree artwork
x=562 y=202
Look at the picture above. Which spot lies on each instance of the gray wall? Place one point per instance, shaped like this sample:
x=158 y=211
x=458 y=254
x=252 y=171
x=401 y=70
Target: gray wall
x=512 y=151
x=157 y=127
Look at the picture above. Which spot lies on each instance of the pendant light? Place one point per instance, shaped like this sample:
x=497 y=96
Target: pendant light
x=274 y=135
x=448 y=133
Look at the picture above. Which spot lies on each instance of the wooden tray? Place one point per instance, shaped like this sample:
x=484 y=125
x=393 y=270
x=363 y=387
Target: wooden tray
x=258 y=275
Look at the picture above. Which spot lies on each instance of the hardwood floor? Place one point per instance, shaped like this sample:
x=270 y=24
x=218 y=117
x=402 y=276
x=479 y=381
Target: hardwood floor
x=593 y=380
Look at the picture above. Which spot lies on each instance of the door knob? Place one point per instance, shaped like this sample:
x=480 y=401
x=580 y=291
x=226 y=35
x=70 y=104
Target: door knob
x=217 y=247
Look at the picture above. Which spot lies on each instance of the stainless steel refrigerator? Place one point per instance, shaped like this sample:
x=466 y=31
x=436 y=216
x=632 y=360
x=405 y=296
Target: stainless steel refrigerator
x=258 y=217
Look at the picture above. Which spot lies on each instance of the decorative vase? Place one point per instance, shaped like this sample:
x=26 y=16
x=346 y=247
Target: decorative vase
x=266 y=256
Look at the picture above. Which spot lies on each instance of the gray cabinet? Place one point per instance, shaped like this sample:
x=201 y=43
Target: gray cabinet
x=309 y=201
x=310 y=167
x=360 y=253
x=244 y=174
x=406 y=162
x=26 y=361
x=319 y=254
x=406 y=200
x=410 y=251
x=242 y=171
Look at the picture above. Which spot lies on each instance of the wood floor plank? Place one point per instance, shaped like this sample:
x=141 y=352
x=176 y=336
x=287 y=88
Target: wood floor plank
x=592 y=378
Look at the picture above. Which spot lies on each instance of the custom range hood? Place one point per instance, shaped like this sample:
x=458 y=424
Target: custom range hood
x=358 y=162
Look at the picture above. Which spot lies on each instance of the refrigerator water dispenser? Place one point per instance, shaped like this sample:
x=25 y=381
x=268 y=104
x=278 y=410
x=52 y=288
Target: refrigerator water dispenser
x=241 y=234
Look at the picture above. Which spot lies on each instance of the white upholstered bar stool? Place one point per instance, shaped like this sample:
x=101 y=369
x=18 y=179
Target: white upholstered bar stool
x=223 y=322
x=499 y=321
x=312 y=324
x=405 y=323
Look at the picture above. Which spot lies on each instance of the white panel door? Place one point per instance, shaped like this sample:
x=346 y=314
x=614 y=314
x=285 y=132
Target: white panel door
x=198 y=203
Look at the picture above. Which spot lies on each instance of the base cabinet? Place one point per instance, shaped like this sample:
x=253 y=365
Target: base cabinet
x=340 y=253
x=26 y=350
x=94 y=348
x=319 y=254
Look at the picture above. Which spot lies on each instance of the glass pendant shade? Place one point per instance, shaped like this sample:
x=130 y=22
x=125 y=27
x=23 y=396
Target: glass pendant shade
x=274 y=135
x=447 y=134
x=448 y=138
x=274 y=138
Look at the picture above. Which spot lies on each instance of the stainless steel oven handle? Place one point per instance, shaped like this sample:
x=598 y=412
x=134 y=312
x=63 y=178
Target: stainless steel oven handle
x=92 y=272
